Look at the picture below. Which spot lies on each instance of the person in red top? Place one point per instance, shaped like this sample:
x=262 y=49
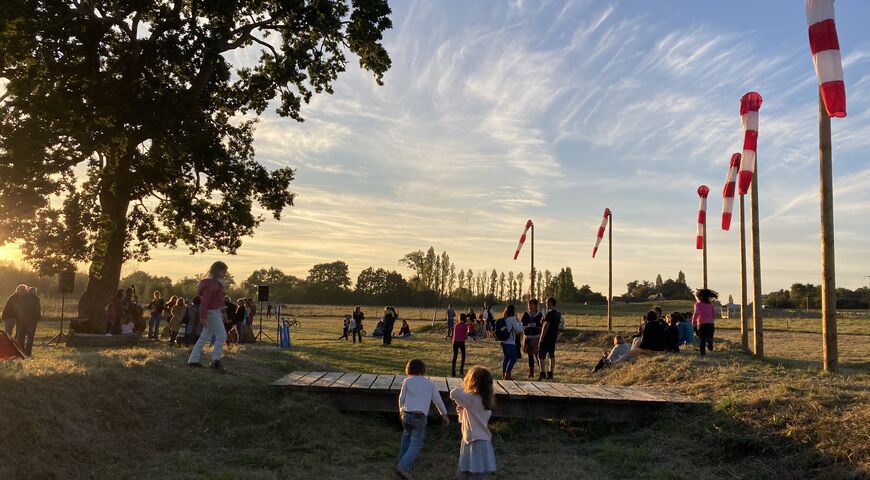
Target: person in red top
x=703 y=319
x=211 y=294
x=460 y=335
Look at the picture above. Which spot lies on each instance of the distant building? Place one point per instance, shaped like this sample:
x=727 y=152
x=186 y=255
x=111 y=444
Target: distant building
x=732 y=310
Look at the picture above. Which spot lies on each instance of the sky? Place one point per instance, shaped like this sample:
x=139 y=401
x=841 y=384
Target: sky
x=497 y=112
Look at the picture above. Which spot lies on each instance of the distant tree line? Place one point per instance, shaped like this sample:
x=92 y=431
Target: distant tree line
x=670 y=289
x=807 y=295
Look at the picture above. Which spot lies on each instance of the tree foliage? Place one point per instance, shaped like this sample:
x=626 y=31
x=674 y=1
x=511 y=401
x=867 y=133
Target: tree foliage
x=124 y=126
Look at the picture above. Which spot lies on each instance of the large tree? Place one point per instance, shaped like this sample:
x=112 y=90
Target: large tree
x=123 y=124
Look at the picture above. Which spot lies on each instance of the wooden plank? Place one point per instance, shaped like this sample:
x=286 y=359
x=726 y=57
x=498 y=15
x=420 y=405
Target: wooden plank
x=383 y=382
x=453 y=382
x=530 y=389
x=364 y=381
x=327 y=380
x=308 y=379
x=593 y=391
x=397 y=383
x=548 y=389
x=498 y=389
x=566 y=390
x=511 y=388
x=286 y=379
x=345 y=381
x=441 y=383
x=579 y=391
x=635 y=393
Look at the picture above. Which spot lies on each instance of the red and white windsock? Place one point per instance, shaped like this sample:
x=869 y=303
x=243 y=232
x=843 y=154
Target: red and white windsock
x=529 y=225
x=728 y=191
x=749 y=106
x=703 y=191
x=601 y=229
x=825 y=48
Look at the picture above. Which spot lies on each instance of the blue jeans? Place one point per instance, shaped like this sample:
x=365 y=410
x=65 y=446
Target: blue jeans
x=413 y=434
x=154 y=325
x=510 y=357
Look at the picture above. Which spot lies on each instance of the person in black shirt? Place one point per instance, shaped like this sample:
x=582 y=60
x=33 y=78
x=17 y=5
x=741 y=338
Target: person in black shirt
x=547 y=342
x=672 y=333
x=358 y=318
x=532 y=321
x=390 y=317
x=653 y=338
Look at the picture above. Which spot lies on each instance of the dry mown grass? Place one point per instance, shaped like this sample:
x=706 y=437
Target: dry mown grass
x=140 y=413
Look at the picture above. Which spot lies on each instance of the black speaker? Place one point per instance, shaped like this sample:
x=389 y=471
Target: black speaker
x=263 y=293
x=66 y=282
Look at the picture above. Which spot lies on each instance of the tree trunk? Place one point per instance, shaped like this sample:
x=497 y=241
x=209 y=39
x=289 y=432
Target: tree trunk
x=108 y=256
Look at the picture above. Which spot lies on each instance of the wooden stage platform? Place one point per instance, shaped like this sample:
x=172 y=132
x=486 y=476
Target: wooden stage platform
x=379 y=393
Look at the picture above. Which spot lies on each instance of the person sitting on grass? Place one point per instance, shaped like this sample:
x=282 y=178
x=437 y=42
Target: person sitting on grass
x=417 y=394
x=405 y=331
x=684 y=327
x=617 y=353
x=379 y=330
x=474 y=404
x=672 y=333
x=653 y=337
x=704 y=318
x=127 y=326
x=344 y=331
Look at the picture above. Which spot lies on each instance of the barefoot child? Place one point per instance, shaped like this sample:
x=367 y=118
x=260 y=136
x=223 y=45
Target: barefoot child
x=474 y=404
x=417 y=393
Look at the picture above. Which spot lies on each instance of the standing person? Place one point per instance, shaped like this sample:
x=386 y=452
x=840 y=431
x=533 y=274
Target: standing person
x=532 y=322
x=451 y=319
x=417 y=394
x=505 y=331
x=358 y=317
x=487 y=319
x=390 y=317
x=471 y=317
x=460 y=336
x=177 y=315
x=211 y=294
x=268 y=310
x=113 y=324
x=474 y=404
x=194 y=326
x=704 y=318
x=10 y=310
x=549 y=335
x=156 y=308
x=29 y=314
x=239 y=319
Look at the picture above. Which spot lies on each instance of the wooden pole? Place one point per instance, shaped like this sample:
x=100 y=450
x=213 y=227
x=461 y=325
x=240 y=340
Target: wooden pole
x=704 y=253
x=744 y=317
x=829 y=286
x=757 y=319
x=532 y=287
x=610 y=272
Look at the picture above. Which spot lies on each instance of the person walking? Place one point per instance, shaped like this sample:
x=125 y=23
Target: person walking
x=460 y=336
x=532 y=322
x=505 y=331
x=549 y=335
x=415 y=397
x=29 y=314
x=390 y=317
x=487 y=319
x=156 y=308
x=451 y=319
x=346 y=328
x=704 y=318
x=211 y=294
x=358 y=317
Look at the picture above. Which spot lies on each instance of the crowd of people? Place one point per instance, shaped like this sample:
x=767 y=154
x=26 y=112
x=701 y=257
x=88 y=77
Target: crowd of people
x=659 y=333
x=21 y=314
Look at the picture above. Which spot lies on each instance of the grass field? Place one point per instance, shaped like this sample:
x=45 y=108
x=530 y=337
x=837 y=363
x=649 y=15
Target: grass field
x=140 y=413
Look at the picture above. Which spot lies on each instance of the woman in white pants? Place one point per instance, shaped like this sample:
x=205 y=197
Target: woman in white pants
x=211 y=293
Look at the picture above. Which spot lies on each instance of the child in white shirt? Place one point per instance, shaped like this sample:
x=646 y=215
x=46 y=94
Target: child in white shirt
x=474 y=404
x=417 y=393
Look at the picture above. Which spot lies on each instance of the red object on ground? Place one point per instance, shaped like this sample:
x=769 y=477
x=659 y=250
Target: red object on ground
x=9 y=348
